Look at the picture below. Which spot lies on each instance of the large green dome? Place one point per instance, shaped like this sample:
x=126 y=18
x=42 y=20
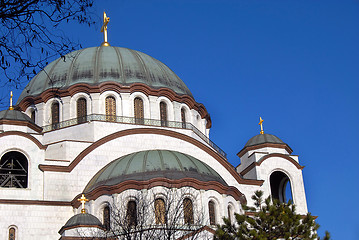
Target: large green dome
x=146 y=165
x=105 y=64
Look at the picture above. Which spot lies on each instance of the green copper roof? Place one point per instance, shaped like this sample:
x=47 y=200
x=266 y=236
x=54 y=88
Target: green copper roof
x=81 y=220
x=14 y=115
x=146 y=165
x=105 y=64
x=263 y=138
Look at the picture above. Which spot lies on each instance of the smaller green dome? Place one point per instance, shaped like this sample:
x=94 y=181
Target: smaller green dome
x=14 y=115
x=82 y=220
x=263 y=138
x=146 y=165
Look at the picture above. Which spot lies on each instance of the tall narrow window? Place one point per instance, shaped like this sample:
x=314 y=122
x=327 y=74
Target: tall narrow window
x=229 y=210
x=81 y=110
x=188 y=211
x=13 y=170
x=12 y=232
x=138 y=111
x=183 y=118
x=33 y=115
x=55 y=115
x=110 y=109
x=160 y=211
x=163 y=114
x=212 y=213
x=106 y=217
x=131 y=213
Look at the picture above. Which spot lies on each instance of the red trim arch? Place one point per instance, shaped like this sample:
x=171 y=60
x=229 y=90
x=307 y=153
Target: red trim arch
x=287 y=157
x=113 y=86
x=165 y=182
x=26 y=135
x=164 y=132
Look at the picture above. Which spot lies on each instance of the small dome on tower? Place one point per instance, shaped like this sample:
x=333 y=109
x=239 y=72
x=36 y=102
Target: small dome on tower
x=81 y=220
x=263 y=138
x=15 y=116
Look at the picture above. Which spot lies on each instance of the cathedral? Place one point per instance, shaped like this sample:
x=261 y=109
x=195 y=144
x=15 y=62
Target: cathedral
x=109 y=142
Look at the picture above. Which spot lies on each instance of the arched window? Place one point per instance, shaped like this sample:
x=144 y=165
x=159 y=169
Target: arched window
x=280 y=186
x=106 y=217
x=55 y=114
x=131 y=213
x=33 y=115
x=229 y=210
x=183 y=118
x=12 y=233
x=110 y=109
x=13 y=170
x=163 y=114
x=160 y=211
x=212 y=212
x=188 y=211
x=138 y=111
x=81 y=110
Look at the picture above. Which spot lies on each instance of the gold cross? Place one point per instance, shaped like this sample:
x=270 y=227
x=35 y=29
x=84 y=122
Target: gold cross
x=104 y=29
x=261 y=123
x=11 y=107
x=83 y=200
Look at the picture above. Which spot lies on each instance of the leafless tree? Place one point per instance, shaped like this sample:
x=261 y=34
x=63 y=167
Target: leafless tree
x=30 y=35
x=150 y=219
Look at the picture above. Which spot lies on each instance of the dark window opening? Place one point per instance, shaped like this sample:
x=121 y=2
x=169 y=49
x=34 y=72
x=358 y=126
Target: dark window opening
x=138 y=106
x=13 y=170
x=12 y=232
x=163 y=114
x=183 y=118
x=212 y=213
x=81 y=110
x=55 y=115
x=160 y=211
x=106 y=217
x=33 y=115
x=280 y=187
x=132 y=213
x=110 y=109
x=188 y=211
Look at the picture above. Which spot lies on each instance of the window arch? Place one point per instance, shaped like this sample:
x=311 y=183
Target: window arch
x=160 y=211
x=163 y=114
x=110 y=109
x=106 y=217
x=138 y=110
x=13 y=170
x=81 y=110
x=33 y=115
x=280 y=186
x=188 y=211
x=212 y=212
x=131 y=213
x=229 y=211
x=183 y=117
x=55 y=114
x=12 y=233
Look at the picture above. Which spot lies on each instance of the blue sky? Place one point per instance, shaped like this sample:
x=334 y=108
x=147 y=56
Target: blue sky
x=294 y=63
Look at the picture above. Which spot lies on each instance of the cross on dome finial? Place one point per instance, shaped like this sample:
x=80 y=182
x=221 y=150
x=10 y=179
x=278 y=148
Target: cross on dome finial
x=261 y=123
x=104 y=29
x=83 y=200
x=11 y=107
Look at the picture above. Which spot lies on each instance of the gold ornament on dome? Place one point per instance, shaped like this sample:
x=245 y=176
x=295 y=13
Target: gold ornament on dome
x=261 y=124
x=11 y=107
x=83 y=200
x=104 y=29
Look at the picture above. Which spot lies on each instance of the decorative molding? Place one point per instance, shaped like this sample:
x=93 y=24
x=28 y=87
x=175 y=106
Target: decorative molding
x=114 y=86
x=26 y=135
x=33 y=126
x=272 y=145
x=262 y=159
x=35 y=202
x=158 y=131
x=164 y=182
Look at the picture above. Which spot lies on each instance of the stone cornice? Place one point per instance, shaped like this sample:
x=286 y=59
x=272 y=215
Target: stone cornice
x=272 y=145
x=113 y=86
x=26 y=135
x=35 y=202
x=21 y=123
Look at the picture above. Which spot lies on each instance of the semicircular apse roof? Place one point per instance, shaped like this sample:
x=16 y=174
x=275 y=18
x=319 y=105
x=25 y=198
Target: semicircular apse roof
x=146 y=165
x=97 y=65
